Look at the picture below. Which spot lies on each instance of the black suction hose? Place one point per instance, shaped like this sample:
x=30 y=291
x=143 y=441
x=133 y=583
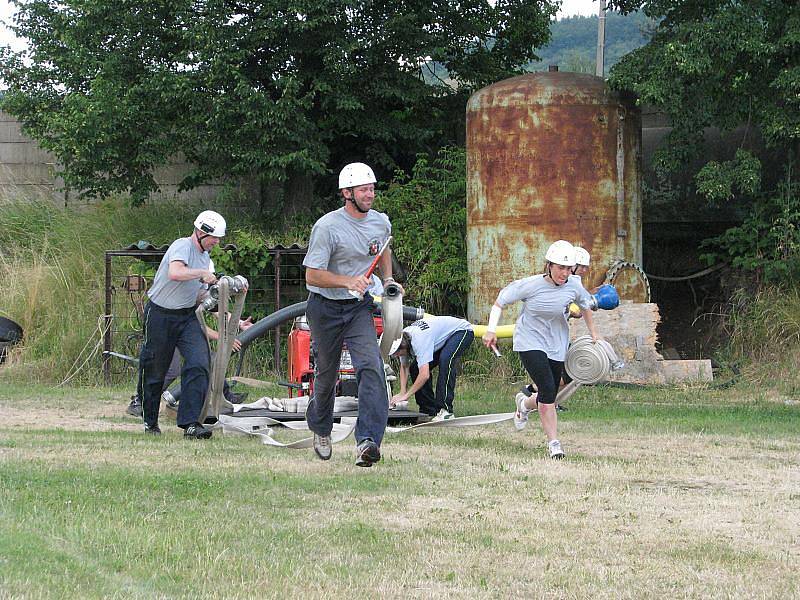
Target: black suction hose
x=263 y=326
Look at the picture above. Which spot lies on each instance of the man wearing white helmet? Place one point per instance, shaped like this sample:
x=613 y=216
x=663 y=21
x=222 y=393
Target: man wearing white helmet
x=170 y=323
x=541 y=335
x=342 y=246
x=425 y=344
x=174 y=370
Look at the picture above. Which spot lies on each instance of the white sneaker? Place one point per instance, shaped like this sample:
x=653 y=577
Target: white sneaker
x=521 y=416
x=555 y=450
x=442 y=415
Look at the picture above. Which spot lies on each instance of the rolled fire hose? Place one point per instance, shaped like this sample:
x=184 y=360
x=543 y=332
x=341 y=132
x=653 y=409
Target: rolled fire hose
x=588 y=362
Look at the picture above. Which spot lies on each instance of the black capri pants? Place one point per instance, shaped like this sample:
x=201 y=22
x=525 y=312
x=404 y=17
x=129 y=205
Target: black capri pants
x=546 y=374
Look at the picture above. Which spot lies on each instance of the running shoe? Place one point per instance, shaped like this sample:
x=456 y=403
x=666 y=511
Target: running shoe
x=555 y=450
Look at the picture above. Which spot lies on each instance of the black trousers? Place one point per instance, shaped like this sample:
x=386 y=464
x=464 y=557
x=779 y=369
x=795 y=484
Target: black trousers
x=163 y=332
x=334 y=323
x=546 y=374
x=446 y=358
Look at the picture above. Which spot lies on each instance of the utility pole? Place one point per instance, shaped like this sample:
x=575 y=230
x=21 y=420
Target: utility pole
x=601 y=37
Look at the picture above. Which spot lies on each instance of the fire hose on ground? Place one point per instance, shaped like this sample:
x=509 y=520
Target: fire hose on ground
x=586 y=362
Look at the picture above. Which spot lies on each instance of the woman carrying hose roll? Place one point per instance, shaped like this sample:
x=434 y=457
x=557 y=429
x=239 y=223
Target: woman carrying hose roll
x=541 y=335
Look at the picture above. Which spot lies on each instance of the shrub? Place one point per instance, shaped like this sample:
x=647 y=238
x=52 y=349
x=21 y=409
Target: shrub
x=429 y=224
x=763 y=328
x=767 y=243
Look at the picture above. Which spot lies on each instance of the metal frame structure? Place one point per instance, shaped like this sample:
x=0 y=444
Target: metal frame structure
x=152 y=253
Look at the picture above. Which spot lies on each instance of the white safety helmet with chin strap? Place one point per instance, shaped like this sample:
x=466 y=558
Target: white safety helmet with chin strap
x=352 y=176
x=210 y=223
x=561 y=253
x=356 y=174
x=582 y=257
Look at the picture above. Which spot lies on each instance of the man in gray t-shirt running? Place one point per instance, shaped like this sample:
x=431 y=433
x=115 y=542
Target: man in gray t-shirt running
x=342 y=246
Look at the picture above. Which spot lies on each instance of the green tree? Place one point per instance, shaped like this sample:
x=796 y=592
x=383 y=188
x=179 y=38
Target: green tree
x=276 y=90
x=725 y=63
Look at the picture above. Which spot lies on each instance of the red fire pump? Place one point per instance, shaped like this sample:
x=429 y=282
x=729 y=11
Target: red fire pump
x=301 y=362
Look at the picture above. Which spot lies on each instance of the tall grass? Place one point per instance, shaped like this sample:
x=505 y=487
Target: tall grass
x=51 y=277
x=51 y=283
x=764 y=336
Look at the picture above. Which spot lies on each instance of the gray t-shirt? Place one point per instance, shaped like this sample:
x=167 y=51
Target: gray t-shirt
x=345 y=245
x=542 y=323
x=179 y=294
x=429 y=335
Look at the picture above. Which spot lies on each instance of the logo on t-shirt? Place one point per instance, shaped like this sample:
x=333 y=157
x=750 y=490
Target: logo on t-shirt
x=374 y=247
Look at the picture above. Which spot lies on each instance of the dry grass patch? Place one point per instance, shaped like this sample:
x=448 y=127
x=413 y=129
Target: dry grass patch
x=684 y=502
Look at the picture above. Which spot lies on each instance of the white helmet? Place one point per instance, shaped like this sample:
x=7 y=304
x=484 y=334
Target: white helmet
x=395 y=345
x=561 y=253
x=210 y=222
x=581 y=256
x=356 y=174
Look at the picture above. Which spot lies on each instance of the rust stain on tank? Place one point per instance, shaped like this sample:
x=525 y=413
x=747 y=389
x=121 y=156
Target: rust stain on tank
x=545 y=152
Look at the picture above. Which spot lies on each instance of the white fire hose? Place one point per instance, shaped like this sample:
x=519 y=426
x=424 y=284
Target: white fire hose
x=392 y=316
x=228 y=326
x=588 y=362
x=262 y=427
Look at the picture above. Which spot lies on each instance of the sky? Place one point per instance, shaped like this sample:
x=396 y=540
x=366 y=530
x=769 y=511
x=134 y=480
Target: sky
x=568 y=8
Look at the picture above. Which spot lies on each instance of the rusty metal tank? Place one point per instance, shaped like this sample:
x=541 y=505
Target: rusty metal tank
x=549 y=156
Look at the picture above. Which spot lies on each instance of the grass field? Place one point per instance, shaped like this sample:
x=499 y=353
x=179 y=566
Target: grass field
x=665 y=493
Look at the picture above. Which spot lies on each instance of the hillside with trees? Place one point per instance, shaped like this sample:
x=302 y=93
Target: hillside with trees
x=574 y=41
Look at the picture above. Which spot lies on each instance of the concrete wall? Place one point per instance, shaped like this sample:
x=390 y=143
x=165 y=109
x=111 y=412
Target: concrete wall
x=27 y=170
